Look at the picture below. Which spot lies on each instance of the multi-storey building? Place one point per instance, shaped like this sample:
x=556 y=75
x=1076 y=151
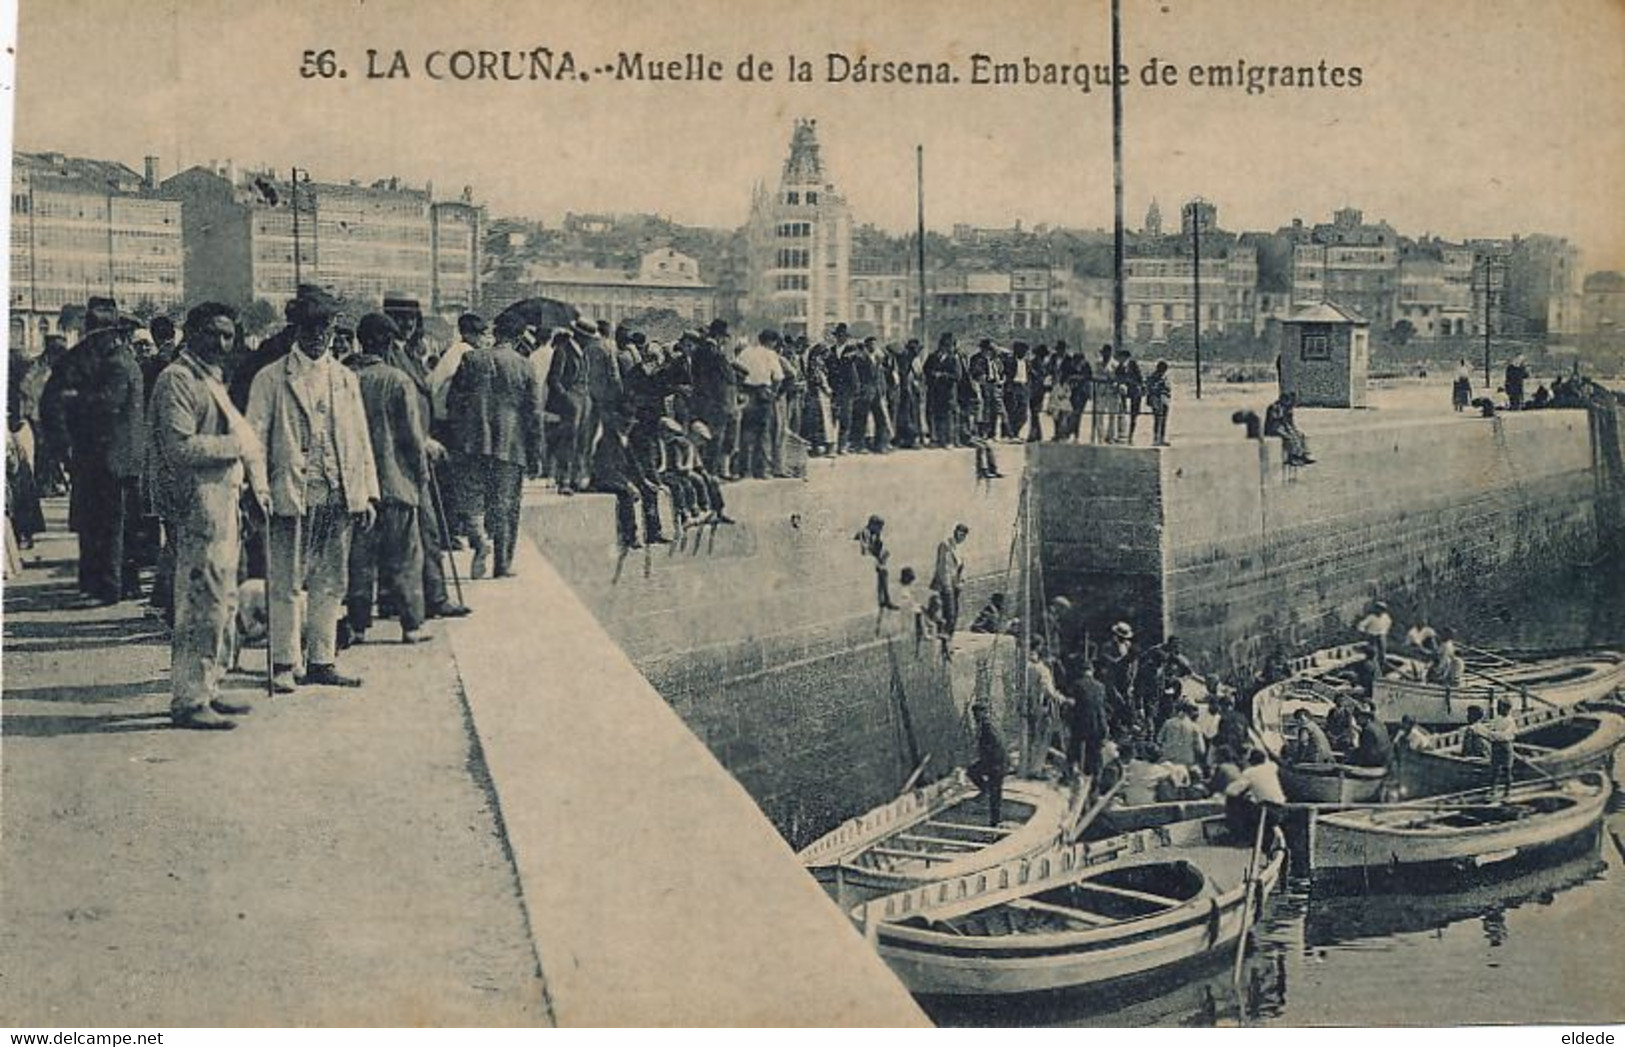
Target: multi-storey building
x=1543 y=285
x=1351 y=262
x=256 y=236
x=800 y=245
x=1603 y=305
x=1435 y=289
x=664 y=279
x=88 y=227
x=1160 y=279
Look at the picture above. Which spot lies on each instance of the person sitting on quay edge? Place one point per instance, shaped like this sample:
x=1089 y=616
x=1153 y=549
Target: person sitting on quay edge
x=992 y=618
x=1281 y=421
x=617 y=471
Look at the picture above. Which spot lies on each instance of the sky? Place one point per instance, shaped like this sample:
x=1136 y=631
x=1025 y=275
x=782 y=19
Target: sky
x=1473 y=118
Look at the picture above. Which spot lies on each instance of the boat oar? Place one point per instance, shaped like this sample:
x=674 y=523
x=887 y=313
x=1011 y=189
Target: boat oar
x=1247 y=898
x=1075 y=830
x=915 y=776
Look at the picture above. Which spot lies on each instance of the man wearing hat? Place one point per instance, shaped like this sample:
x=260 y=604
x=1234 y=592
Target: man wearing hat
x=247 y=367
x=948 y=580
x=461 y=477
x=716 y=401
x=569 y=381
x=1117 y=667
x=306 y=410
x=987 y=371
x=101 y=394
x=406 y=354
x=495 y=411
x=604 y=389
x=200 y=451
x=386 y=560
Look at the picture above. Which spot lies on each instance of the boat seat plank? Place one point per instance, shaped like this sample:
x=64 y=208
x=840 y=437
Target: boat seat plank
x=1124 y=892
x=1082 y=916
x=924 y=856
x=969 y=827
x=966 y=845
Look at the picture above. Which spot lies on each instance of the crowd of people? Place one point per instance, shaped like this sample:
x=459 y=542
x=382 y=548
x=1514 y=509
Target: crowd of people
x=326 y=473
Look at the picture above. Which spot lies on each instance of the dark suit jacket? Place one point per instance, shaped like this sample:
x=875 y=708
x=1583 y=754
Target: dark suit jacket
x=396 y=425
x=496 y=407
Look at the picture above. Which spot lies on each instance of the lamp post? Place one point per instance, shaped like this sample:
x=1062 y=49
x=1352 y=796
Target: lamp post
x=1195 y=213
x=293 y=189
x=1117 y=175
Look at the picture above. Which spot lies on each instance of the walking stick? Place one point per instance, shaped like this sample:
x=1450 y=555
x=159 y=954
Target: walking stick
x=445 y=533
x=270 y=653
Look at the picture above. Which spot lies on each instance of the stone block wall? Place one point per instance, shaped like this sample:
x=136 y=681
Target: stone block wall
x=764 y=636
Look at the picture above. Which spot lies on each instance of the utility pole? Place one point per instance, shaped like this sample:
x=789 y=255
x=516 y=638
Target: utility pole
x=1117 y=174
x=1196 y=286
x=919 y=234
x=293 y=190
x=1487 y=382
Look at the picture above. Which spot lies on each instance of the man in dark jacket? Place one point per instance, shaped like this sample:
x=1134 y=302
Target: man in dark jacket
x=604 y=388
x=617 y=471
x=100 y=389
x=716 y=402
x=987 y=773
x=495 y=406
x=1089 y=725
x=944 y=372
x=569 y=395
x=406 y=354
x=387 y=558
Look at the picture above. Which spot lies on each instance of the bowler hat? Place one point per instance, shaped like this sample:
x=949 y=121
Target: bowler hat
x=585 y=327
x=376 y=329
x=1123 y=631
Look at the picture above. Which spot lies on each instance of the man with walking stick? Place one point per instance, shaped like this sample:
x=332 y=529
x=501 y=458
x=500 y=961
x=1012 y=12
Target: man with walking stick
x=306 y=410
x=200 y=448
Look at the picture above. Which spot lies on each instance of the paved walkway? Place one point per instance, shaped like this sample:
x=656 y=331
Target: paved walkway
x=343 y=857
x=333 y=861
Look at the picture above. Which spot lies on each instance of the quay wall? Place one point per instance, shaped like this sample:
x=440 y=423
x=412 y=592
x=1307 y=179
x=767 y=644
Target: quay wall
x=765 y=638
x=1237 y=553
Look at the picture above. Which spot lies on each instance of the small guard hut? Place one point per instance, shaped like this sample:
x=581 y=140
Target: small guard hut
x=1325 y=356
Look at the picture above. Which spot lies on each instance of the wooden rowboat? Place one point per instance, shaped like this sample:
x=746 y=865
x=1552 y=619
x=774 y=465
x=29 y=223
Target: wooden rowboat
x=1564 y=682
x=935 y=832
x=1553 y=743
x=1458 y=834
x=1077 y=916
x=1340 y=783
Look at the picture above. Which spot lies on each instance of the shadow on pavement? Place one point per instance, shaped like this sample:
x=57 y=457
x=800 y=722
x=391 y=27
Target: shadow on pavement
x=89 y=693
x=48 y=726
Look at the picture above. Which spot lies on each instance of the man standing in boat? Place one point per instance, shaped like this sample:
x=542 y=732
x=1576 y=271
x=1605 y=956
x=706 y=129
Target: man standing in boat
x=1499 y=731
x=987 y=773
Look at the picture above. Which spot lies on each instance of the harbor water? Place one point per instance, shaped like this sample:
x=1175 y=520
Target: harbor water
x=1540 y=946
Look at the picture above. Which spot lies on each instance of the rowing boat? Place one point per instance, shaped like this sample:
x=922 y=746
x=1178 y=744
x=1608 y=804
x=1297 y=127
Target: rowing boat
x=1564 y=682
x=1331 y=782
x=937 y=831
x=1458 y=834
x=1552 y=742
x=1077 y=916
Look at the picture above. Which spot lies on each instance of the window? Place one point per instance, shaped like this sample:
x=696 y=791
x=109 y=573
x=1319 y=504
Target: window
x=1167 y=312
x=812 y=198
x=1316 y=347
x=792 y=198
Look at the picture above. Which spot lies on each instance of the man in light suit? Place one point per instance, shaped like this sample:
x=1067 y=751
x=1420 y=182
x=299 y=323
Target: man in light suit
x=307 y=411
